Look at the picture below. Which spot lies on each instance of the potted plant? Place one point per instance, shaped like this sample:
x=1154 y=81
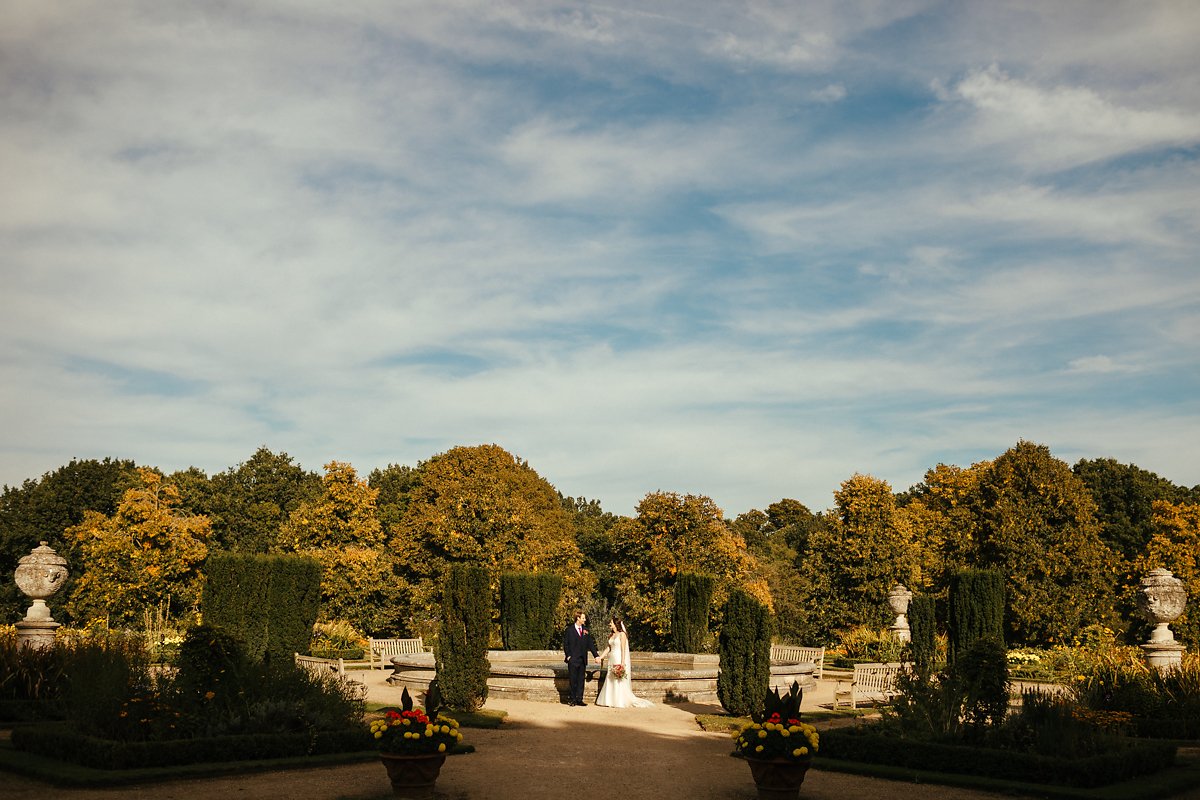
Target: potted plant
x=413 y=743
x=777 y=745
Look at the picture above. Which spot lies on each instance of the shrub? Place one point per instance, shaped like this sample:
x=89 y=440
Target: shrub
x=337 y=639
x=976 y=609
x=864 y=643
x=745 y=649
x=461 y=648
x=689 y=619
x=528 y=603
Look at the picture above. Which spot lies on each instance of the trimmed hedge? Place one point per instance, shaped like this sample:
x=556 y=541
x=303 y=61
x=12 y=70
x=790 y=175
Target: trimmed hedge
x=922 y=621
x=1136 y=758
x=976 y=609
x=528 y=604
x=268 y=602
x=744 y=674
x=65 y=743
x=689 y=618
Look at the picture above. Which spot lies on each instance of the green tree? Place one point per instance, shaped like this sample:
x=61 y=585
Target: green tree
x=481 y=505
x=462 y=643
x=340 y=529
x=775 y=539
x=594 y=535
x=42 y=510
x=251 y=502
x=1124 y=495
x=1038 y=528
x=395 y=484
x=675 y=533
x=145 y=554
x=1175 y=545
x=853 y=563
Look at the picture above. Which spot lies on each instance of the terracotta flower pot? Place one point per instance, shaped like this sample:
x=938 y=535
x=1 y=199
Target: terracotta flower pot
x=778 y=778
x=413 y=776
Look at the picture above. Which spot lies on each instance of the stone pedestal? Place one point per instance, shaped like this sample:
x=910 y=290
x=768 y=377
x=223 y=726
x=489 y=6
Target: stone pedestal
x=1161 y=599
x=39 y=575
x=898 y=599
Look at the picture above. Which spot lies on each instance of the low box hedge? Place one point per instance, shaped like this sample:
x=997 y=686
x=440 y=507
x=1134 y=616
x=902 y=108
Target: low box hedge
x=1130 y=760
x=31 y=710
x=60 y=741
x=350 y=654
x=1175 y=728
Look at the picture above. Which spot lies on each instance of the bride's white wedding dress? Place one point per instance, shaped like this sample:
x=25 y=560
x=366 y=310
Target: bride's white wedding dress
x=618 y=692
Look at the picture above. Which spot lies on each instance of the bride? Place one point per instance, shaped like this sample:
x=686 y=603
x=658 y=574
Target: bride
x=617 y=692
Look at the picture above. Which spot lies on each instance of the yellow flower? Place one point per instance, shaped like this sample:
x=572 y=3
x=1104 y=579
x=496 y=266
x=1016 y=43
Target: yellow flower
x=378 y=735
x=796 y=753
x=736 y=735
x=794 y=729
x=762 y=734
x=442 y=747
x=803 y=751
x=784 y=733
x=758 y=749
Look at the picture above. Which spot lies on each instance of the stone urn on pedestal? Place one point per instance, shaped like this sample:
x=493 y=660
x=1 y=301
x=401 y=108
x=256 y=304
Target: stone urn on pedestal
x=1161 y=598
x=39 y=575
x=899 y=598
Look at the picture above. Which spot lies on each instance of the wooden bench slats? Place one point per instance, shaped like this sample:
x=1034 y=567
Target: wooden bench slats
x=874 y=681
x=384 y=649
x=792 y=654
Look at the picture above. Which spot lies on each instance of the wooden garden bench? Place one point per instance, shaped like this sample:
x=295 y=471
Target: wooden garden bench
x=321 y=666
x=789 y=654
x=870 y=681
x=384 y=649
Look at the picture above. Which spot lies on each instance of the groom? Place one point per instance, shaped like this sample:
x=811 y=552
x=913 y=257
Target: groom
x=577 y=643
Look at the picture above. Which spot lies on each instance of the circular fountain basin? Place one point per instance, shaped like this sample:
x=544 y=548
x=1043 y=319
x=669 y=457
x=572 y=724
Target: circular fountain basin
x=542 y=675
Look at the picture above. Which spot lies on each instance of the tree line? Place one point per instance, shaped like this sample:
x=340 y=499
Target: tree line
x=1071 y=542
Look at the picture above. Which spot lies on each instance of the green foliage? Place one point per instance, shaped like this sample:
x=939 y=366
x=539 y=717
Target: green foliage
x=528 y=609
x=775 y=540
x=853 y=561
x=594 y=535
x=1120 y=680
x=976 y=609
x=481 y=505
x=689 y=618
x=1124 y=496
x=43 y=509
x=249 y=503
x=462 y=644
x=268 y=603
x=213 y=666
x=745 y=649
x=922 y=621
x=1038 y=528
x=982 y=670
x=1175 y=545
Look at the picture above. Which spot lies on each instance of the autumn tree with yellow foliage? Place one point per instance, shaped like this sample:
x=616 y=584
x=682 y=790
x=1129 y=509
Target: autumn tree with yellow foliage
x=341 y=530
x=147 y=553
x=675 y=533
x=481 y=505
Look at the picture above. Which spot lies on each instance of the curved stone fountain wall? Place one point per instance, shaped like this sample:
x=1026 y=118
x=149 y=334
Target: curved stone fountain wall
x=542 y=675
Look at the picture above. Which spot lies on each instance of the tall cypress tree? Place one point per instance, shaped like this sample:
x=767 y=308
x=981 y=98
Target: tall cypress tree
x=745 y=647
x=461 y=649
x=976 y=609
x=689 y=619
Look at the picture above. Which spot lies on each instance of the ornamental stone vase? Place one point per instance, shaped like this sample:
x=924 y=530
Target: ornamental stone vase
x=413 y=776
x=899 y=598
x=778 y=778
x=1161 y=599
x=39 y=575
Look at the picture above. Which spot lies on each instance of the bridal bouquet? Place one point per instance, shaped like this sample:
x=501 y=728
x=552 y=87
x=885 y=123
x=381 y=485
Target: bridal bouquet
x=617 y=671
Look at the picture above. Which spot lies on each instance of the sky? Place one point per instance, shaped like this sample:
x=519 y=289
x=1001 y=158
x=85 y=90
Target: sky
x=744 y=250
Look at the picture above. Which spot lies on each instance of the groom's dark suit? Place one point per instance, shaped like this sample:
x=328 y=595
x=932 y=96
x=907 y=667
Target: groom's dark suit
x=576 y=646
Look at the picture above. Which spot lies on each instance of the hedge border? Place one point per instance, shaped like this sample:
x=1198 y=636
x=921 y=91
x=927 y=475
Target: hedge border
x=1135 y=759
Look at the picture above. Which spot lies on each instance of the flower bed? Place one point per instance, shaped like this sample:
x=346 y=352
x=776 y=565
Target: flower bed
x=1121 y=763
x=61 y=741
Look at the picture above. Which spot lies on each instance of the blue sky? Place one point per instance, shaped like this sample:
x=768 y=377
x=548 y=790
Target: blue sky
x=742 y=250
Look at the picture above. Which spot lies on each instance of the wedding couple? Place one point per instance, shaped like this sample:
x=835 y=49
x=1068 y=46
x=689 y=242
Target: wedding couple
x=617 y=692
